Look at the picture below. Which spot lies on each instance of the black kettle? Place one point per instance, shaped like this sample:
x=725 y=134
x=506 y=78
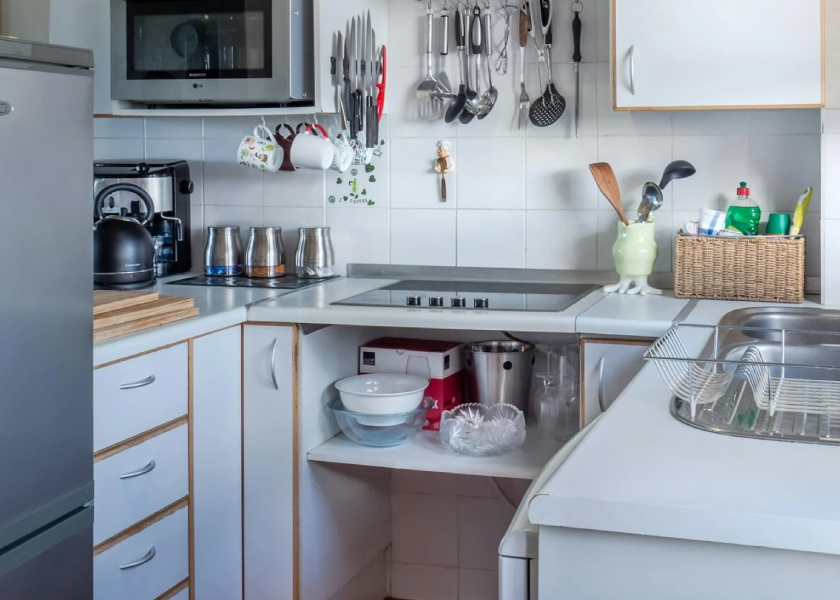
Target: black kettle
x=123 y=248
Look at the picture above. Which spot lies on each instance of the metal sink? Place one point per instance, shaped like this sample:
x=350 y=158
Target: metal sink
x=808 y=341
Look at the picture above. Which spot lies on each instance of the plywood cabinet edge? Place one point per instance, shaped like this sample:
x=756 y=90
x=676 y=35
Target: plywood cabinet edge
x=614 y=79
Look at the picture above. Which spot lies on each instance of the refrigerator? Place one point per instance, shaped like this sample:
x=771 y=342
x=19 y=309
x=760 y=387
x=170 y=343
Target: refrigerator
x=46 y=314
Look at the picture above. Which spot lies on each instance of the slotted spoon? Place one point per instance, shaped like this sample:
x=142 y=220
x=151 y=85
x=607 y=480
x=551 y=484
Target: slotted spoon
x=549 y=107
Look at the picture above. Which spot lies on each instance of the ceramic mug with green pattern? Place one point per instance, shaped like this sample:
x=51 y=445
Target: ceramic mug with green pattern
x=261 y=151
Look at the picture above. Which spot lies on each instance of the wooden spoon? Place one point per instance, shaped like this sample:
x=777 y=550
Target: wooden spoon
x=605 y=178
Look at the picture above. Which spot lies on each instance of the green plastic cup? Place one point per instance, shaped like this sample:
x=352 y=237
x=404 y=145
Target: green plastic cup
x=778 y=224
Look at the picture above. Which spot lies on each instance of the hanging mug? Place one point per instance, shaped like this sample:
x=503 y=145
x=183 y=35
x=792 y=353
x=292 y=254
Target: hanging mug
x=343 y=154
x=312 y=149
x=261 y=151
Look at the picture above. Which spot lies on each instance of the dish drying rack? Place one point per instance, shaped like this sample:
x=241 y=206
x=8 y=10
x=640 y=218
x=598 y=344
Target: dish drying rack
x=753 y=382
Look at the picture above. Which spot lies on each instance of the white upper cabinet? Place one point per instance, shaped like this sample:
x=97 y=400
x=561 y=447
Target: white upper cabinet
x=673 y=54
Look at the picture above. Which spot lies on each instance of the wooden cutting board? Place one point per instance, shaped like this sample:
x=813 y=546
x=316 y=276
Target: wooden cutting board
x=107 y=333
x=161 y=306
x=105 y=301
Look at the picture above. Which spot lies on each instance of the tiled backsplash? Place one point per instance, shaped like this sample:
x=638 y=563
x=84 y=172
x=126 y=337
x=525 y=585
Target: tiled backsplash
x=516 y=199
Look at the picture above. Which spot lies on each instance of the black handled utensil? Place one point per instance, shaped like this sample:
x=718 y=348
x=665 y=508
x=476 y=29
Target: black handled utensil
x=456 y=107
x=577 y=27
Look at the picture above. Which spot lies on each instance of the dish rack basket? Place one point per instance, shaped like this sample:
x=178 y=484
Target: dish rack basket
x=704 y=363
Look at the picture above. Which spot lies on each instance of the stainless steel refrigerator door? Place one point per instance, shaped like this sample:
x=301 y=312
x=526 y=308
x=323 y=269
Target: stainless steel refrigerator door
x=56 y=564
x=46 y=304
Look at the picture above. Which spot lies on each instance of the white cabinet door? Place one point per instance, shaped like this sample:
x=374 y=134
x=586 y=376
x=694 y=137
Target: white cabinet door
x=217 y=465
x=269 y=457
x=695 y=53
x=607 y=367
x=87 y=24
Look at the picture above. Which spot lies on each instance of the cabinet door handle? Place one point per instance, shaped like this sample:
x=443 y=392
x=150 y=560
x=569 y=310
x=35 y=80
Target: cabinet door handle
x=602 y=401
x=138 y=384
x=633 y=69
x=147 y=469
x=131 y=565
x=274 y=365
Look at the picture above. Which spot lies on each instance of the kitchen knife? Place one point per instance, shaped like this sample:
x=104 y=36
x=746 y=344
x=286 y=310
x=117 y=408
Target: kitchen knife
x=354 y=72
x=339 y=81
x=346 y=91
x=576 y=57
x=358 y=99
x=370 y=114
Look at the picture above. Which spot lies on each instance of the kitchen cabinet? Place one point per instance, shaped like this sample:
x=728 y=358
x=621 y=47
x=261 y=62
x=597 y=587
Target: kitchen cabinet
x=269 y=415
x=607 y=367
x=216 y=414
x=692 y=54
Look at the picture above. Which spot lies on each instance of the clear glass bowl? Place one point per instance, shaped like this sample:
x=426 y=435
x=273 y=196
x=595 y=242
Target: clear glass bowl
x=480 y=430
x=380 y=431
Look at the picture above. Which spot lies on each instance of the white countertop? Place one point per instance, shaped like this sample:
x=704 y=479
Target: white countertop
x=640 y=471
x=218 y=308
x=637 y=316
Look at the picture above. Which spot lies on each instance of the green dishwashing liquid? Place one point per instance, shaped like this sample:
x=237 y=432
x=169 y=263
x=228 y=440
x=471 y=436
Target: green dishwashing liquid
x=744 y=213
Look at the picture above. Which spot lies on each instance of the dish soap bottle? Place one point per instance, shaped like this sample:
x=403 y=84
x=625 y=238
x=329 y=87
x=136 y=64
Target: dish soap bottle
x=744 y=213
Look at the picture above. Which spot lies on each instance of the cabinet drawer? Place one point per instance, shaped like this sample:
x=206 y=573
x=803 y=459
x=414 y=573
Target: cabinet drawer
x=140 y=481
x=138 y=395
x=127 y=572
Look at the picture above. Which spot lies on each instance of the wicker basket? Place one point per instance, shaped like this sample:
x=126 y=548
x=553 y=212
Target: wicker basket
x=759 y=269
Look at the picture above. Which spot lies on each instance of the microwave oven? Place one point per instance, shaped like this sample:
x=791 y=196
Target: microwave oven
x=256 y=53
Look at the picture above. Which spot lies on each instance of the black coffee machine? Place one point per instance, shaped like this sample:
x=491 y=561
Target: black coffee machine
x=169 y=185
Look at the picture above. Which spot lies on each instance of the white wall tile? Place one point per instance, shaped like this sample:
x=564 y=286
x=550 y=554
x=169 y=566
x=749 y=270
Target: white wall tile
x=711 y=122
x=491 y=238
x=831 y=121
x=782 y=166
x=362 y=185
x=359 y=235
x=477 y=585
x=722 y=162
x=831 y=177
x=290 y=220
x=174 y=128
x=423 y=237
x=491 y=173
x=602 y=23
x=421 y=482
x=612 y=122
x=558 y=174
x=118 y=149
x=635 y=161
x=785 y=121
x=481 y=525
x=831 y=253
x=408 y=22
x=424 y=529
x=235 y=127
x=226 y=182
x=415 y=582
x=562 y=239
x=414 y=183
x=118 y=128
x=305 y=187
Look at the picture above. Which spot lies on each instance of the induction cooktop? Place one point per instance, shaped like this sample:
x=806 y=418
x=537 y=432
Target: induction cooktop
x=473 y=295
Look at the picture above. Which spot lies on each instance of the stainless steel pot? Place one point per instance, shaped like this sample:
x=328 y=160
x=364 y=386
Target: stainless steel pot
x=315 y=258
x=265 y=256
x=223 y=252
x=499 y=372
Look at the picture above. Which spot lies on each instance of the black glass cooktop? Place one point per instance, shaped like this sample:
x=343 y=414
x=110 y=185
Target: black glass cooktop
x=289 y=282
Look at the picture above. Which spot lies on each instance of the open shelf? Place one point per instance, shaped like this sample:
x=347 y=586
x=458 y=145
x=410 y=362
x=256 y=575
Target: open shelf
x=425 y=453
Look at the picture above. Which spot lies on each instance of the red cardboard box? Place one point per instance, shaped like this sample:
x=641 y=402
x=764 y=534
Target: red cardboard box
x=441 y=362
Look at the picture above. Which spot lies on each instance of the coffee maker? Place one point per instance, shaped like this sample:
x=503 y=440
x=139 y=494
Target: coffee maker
x=169 y=185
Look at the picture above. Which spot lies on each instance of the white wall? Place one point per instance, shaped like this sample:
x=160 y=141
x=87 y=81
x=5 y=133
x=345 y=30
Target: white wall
x=25 y=19
x=517 y=199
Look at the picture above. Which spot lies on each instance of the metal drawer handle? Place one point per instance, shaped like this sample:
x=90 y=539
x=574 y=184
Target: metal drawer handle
x=633 y=70
x=601 y=399
x=149 y=556
x=138 y=384
x=147 y=469
x=274 y=365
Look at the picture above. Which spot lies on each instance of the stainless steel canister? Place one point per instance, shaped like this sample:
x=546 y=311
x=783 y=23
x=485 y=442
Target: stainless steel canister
x=265 y=256
x=315 y=257
x=223 y=252
x=499 y=372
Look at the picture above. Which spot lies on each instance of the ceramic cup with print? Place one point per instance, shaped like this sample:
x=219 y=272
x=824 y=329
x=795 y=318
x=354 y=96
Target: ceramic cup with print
x=343 y=154
x=310 y=151
x=261 y=151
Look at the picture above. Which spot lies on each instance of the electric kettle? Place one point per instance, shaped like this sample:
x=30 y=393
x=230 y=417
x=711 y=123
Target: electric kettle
x=123 y=248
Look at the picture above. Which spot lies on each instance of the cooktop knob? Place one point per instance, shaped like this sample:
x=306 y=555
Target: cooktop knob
x=412 y=300
x=436 y=301
x=459 y=302
x=481 y=303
